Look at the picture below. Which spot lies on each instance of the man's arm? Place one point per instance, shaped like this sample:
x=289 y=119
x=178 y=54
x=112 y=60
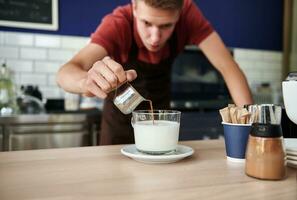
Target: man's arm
x=217 y=53
x=72 y=74
x=92 y=73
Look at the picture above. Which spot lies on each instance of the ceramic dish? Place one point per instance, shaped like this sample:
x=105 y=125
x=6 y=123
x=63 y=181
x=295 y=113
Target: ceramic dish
x=292 y=163
x=180 y=153
x=294 y=158
x=291 y=153
x=291 y=144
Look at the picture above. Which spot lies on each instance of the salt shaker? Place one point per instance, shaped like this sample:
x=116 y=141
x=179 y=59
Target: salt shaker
x=126 y=98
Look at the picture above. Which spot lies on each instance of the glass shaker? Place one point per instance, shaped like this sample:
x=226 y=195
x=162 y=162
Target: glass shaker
x=126 y=98
x=265 y=154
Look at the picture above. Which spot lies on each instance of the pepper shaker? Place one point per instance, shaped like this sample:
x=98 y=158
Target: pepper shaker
x=265 y=154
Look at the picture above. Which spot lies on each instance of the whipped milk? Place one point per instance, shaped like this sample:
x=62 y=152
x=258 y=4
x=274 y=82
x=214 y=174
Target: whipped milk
x=158 y=137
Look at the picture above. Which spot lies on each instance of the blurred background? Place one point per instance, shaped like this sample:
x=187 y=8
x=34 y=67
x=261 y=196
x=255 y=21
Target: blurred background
x=37 y=37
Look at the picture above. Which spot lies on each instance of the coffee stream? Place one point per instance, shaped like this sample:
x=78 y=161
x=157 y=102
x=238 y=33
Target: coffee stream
x=151 y=109
x=150 y=102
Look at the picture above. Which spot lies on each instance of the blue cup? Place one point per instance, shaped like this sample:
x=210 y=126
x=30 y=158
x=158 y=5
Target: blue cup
x=236 y=138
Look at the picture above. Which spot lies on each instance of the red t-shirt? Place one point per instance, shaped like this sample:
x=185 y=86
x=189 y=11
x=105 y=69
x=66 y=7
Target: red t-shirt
x=115 y=33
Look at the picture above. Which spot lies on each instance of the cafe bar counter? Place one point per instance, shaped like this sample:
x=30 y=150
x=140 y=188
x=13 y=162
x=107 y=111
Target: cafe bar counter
x=104 y=173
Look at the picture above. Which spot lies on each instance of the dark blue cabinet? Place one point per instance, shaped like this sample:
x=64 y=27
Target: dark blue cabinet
x=200 y=125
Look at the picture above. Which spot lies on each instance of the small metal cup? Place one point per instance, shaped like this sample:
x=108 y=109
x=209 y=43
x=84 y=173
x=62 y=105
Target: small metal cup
x=127 y=98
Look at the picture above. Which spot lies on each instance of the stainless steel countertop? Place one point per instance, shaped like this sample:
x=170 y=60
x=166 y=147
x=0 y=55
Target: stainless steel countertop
x=47 y=128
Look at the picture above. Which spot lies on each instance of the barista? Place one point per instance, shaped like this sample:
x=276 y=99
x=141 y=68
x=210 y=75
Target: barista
x=138 y=43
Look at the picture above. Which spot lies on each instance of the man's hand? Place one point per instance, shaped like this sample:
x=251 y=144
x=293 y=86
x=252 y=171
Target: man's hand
x=104 y=76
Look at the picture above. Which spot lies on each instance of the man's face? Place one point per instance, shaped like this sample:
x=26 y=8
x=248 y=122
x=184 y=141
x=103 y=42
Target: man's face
x=154 y=25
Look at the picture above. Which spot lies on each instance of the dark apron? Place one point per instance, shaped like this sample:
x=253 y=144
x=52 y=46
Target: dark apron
x=153 y=82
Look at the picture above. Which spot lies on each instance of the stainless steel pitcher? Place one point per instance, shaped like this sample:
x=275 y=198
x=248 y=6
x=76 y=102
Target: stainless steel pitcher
x=127 y=98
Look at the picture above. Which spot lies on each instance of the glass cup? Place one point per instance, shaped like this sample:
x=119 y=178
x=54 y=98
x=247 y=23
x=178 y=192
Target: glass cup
x=156 y=132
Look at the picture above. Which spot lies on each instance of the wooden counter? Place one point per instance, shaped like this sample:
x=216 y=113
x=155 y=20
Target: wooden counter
x=104 y=173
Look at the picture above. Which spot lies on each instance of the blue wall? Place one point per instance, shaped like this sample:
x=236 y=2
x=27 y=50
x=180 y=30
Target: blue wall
x=253 y=24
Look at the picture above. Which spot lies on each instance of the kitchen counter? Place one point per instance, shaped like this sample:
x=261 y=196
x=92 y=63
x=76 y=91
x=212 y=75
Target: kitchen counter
x=49 y=130
x=102 y=172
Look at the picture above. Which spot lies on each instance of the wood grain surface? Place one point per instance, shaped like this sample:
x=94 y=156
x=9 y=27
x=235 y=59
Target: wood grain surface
x=104 y=173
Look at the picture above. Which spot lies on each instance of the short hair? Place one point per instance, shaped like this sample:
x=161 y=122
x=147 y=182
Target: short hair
x=164 y=4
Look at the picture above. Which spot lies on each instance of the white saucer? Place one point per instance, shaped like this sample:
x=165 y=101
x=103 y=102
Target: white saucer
x=292 y=163
x=291 y=144
x=291 y=153
x=180 y=153
x=294 y=158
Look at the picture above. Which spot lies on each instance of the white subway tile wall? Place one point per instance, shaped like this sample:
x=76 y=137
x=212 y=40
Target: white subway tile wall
x=35 y=59
x=19 y=39
x=1 y=38
x=260 y=66
x=46 y=66
x=71 y=42
x=47 y=41
x=51 y=80
x=39 y=79
x=21 y=65
x=60 y=54
x=33 y=53
x=9 y=52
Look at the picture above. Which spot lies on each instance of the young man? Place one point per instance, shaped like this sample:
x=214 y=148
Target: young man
x=137 y=43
